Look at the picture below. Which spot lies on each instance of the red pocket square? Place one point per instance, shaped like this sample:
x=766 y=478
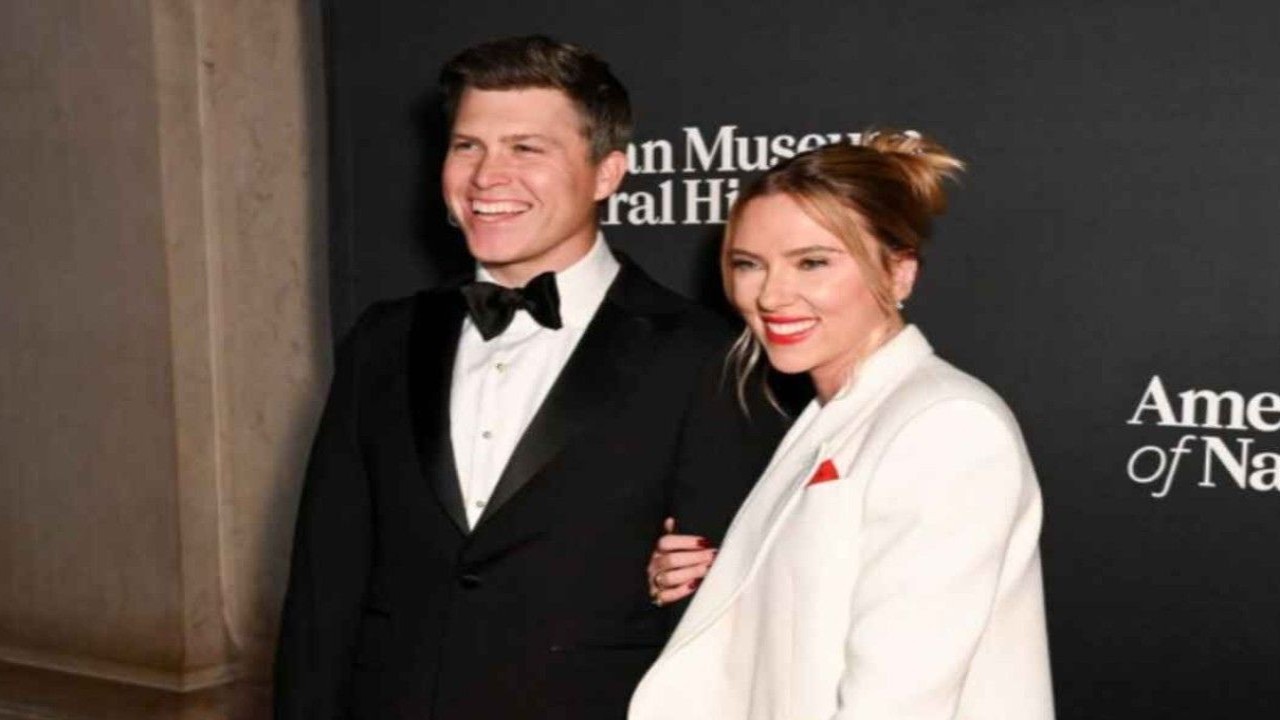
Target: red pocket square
x=826 y=472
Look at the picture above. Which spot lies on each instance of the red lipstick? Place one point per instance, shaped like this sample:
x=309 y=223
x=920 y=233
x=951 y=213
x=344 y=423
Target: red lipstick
x=777 y=338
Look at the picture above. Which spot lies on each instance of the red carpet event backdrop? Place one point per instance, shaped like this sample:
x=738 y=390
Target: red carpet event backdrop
x=1109 y=263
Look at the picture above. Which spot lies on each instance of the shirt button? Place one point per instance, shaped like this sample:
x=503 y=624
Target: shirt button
x=480 y=504
x=486 y=434
x=500 y=366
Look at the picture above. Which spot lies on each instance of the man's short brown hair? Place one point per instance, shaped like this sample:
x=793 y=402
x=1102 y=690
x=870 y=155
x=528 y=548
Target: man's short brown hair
x=537 y=61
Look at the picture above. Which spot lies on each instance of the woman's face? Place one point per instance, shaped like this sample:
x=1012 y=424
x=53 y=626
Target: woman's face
x=804 y=295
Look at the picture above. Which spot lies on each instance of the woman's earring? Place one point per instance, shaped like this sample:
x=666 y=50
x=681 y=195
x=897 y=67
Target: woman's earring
x=900 y=305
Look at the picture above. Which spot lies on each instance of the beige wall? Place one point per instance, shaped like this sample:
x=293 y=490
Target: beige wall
x=163 y=339
x=266 y=96
x=86 y=391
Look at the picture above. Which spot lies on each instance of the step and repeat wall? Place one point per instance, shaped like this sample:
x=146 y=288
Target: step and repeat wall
x=1109 y=263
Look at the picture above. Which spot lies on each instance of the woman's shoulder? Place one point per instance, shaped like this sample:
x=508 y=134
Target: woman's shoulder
x=936 y=389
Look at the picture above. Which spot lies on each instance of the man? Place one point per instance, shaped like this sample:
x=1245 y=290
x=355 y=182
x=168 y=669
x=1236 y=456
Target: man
x=493 y=467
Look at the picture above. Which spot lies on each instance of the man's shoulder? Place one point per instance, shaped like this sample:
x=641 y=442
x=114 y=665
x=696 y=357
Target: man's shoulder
x=638 y=292
x=393 y=318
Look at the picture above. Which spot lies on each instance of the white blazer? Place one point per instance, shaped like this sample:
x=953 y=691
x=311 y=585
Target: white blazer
x=906 y=589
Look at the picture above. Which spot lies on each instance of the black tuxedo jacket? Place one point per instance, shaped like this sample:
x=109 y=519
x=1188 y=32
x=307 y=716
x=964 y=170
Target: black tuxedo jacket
x=395 y=610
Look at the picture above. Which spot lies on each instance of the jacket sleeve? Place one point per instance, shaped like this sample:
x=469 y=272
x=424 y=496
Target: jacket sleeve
x=950 y=494
x=723 y=448
x=331 y=556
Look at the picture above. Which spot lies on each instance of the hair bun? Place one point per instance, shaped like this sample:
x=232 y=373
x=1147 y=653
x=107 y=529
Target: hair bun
x=923 y=162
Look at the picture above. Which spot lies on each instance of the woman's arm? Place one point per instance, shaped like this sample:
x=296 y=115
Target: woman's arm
x=949 y=493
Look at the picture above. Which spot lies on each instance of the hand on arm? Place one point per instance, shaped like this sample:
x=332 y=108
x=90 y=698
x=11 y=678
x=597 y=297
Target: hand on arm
x=677 y=565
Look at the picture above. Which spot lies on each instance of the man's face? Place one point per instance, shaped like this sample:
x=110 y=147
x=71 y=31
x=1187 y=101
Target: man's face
x=520 y=181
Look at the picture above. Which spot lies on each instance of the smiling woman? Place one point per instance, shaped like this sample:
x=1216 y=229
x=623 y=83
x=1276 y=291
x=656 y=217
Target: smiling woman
x=805 y=296
x=828 y=245
x=886 y=564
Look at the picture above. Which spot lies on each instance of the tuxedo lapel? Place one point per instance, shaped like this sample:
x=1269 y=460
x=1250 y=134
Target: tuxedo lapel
x=437 y=324
x=609 y=357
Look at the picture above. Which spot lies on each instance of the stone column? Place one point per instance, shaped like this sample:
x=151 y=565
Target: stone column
x=163 y=343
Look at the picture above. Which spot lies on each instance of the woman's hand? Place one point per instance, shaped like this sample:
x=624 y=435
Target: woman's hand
x=677 y=565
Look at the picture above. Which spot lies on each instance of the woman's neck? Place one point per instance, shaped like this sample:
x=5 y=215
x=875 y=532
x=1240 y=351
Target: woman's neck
x=830 y=378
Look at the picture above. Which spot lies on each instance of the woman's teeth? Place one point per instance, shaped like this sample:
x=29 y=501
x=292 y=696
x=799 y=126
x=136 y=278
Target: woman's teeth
x=791 y=327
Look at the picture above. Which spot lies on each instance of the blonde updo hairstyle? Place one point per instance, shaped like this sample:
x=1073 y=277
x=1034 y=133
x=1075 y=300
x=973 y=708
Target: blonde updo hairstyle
x=879 y=196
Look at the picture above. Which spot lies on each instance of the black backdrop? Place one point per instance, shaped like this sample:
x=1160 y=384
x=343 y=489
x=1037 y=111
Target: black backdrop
x=1118 y=223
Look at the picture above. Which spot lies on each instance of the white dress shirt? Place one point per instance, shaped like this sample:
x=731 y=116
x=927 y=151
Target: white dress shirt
x=499 y=385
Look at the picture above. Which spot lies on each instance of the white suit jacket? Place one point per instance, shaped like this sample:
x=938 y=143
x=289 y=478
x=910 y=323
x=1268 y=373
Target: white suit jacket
x=906 y=589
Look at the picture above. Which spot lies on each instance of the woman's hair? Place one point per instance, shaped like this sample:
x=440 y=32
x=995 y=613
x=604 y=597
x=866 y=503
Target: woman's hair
x=879 y=197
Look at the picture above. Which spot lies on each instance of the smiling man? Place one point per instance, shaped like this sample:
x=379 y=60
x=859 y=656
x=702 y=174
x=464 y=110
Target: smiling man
x=523 y=183
x=496 y=458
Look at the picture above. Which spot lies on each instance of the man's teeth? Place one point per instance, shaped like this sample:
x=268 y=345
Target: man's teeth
x=790 y=328
x=497 y=207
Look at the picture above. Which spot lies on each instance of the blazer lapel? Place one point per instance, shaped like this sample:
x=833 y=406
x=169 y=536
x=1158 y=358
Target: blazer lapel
x=609 y=357
x=437 y=324
x=753 y=531
x=778 y=491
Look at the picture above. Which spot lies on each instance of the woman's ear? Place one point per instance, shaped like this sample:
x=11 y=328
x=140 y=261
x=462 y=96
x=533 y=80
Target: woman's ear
x=903 y=276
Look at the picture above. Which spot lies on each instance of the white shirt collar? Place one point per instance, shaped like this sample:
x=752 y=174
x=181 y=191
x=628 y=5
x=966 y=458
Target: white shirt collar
x=582 y=285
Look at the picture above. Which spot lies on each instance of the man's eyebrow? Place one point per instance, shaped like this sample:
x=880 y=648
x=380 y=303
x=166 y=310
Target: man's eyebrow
x=520 y=137
x=507 y=139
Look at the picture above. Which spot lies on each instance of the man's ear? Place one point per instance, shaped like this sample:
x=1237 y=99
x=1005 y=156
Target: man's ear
x=609 y=173
x=903 y=276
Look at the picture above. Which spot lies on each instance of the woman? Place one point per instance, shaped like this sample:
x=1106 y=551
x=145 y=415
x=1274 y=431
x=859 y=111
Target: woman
x=885 y=566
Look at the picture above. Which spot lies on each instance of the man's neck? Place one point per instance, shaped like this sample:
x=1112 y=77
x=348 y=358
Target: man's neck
x=516 y=275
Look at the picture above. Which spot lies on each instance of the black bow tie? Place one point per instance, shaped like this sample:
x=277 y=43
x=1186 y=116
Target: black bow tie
x=492 y=307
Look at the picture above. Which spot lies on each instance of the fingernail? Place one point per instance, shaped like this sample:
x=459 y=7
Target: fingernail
x=704 y=543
